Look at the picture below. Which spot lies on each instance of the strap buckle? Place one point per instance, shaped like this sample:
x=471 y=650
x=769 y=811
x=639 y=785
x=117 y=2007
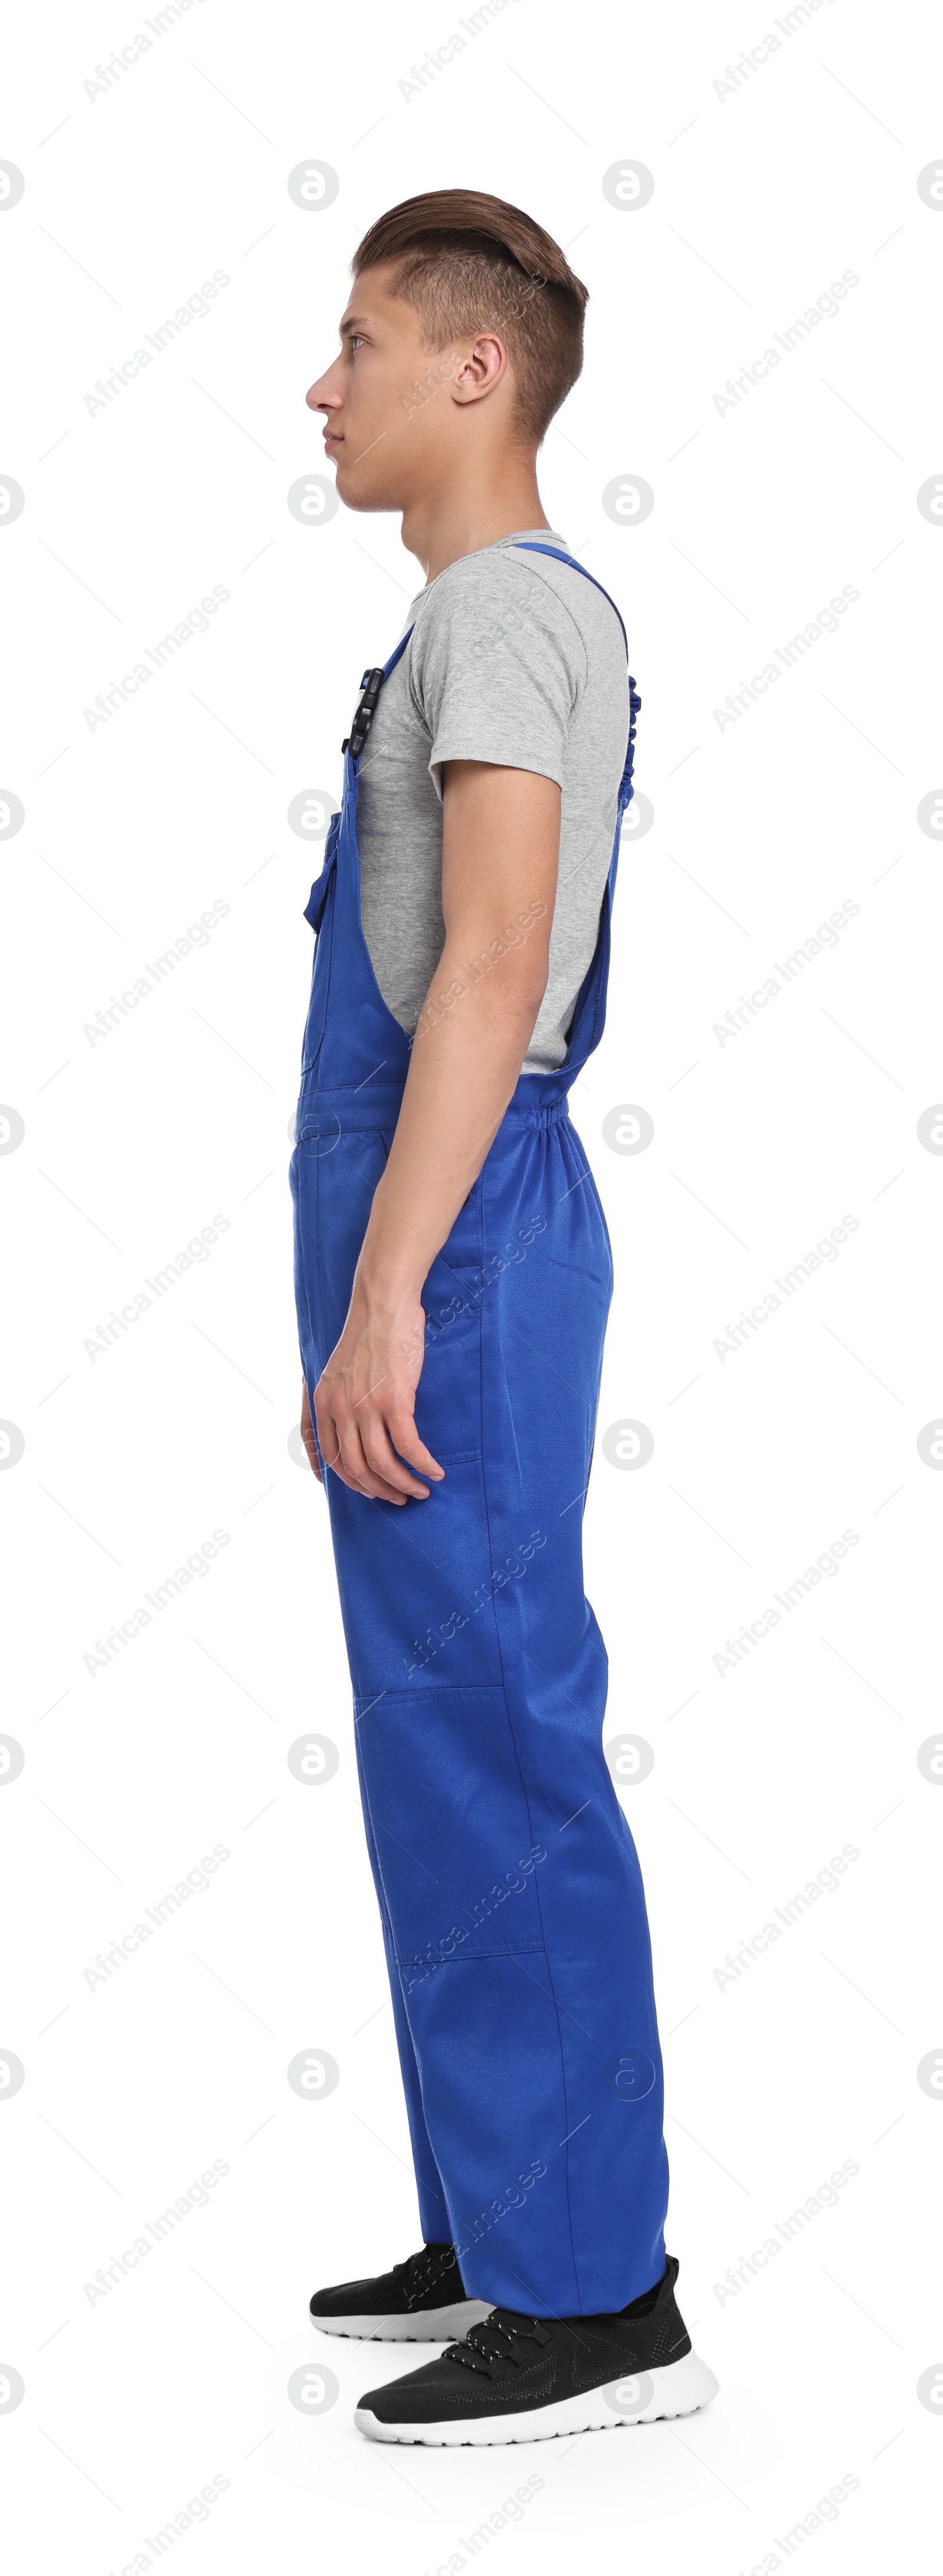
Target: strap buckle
x=371 y=685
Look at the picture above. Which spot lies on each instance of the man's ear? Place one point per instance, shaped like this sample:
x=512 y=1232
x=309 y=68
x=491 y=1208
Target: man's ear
x=484 y=367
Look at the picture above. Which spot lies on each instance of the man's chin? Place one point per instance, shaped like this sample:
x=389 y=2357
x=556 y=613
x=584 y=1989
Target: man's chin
x=358 y=493
x=362 y=491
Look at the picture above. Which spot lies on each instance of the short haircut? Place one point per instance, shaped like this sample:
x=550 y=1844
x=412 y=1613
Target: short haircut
x=468 y=263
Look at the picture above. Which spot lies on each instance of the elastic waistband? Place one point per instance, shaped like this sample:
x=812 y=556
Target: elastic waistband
x=372 y=1105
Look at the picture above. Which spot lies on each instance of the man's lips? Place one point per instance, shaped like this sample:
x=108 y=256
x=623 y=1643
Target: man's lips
x=332 y=438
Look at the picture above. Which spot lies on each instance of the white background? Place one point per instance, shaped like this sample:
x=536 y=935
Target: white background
x=132 y=1771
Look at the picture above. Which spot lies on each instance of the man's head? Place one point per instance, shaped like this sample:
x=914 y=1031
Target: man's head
x=462 y=335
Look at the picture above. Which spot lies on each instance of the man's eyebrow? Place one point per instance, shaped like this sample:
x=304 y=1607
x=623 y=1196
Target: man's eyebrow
x=351 y=322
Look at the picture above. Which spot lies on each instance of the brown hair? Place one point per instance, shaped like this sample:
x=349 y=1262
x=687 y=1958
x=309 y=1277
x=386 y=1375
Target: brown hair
x=467 y=263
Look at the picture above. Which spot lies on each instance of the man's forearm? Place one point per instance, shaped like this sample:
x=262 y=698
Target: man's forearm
x=471 y=1040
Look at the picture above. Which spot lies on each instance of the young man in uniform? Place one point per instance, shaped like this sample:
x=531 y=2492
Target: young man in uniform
x=453 y=1278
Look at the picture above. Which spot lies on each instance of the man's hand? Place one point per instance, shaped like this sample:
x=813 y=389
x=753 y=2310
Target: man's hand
x=365 y=1398
x=500 y=848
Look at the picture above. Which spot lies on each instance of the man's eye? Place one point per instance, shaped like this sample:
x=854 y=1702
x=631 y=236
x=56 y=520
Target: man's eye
x=355 y=340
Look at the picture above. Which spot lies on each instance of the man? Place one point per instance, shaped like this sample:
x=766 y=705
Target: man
x=453 y=1278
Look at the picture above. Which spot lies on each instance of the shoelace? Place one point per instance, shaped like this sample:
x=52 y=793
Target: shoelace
x=494 y=2342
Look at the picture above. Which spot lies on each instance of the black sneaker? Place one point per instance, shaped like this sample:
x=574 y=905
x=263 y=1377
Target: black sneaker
x=523 y=2379
x=420 y=2301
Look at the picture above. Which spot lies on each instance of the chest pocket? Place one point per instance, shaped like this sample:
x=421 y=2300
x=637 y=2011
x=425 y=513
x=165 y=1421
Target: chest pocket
x=315 y=909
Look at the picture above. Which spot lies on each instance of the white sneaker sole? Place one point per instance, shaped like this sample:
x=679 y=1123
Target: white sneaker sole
x=432 y=2325
x=678 y=2389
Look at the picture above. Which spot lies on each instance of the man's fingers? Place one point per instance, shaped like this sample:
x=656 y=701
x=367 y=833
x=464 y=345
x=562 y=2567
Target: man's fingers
x=327 y=1435
x=307 y=1434
x=381 y=1457
x=370 y=1459
x=308 y=1444
x=334 y=1458
x=405 y=1438
x=342 y=1451
x=375 y=1451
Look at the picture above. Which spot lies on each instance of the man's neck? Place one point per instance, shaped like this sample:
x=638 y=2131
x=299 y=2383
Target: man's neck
x=438 y=529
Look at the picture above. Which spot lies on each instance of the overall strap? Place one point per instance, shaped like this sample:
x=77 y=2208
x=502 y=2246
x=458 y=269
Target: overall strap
x=396 y=655
x=525 y=546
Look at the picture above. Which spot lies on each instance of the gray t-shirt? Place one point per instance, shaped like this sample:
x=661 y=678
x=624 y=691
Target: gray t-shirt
x=513 y=659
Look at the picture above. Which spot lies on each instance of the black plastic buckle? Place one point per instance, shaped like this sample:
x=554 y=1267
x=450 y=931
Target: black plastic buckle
x=371 y=685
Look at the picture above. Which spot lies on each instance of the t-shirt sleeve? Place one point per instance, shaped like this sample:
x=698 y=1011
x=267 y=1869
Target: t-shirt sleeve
x=497 y=666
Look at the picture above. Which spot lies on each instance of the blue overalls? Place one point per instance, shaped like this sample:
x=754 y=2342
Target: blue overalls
x=509 y=1886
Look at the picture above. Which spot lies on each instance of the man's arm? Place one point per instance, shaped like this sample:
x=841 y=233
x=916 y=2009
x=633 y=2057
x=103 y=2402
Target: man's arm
x=501 y=842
